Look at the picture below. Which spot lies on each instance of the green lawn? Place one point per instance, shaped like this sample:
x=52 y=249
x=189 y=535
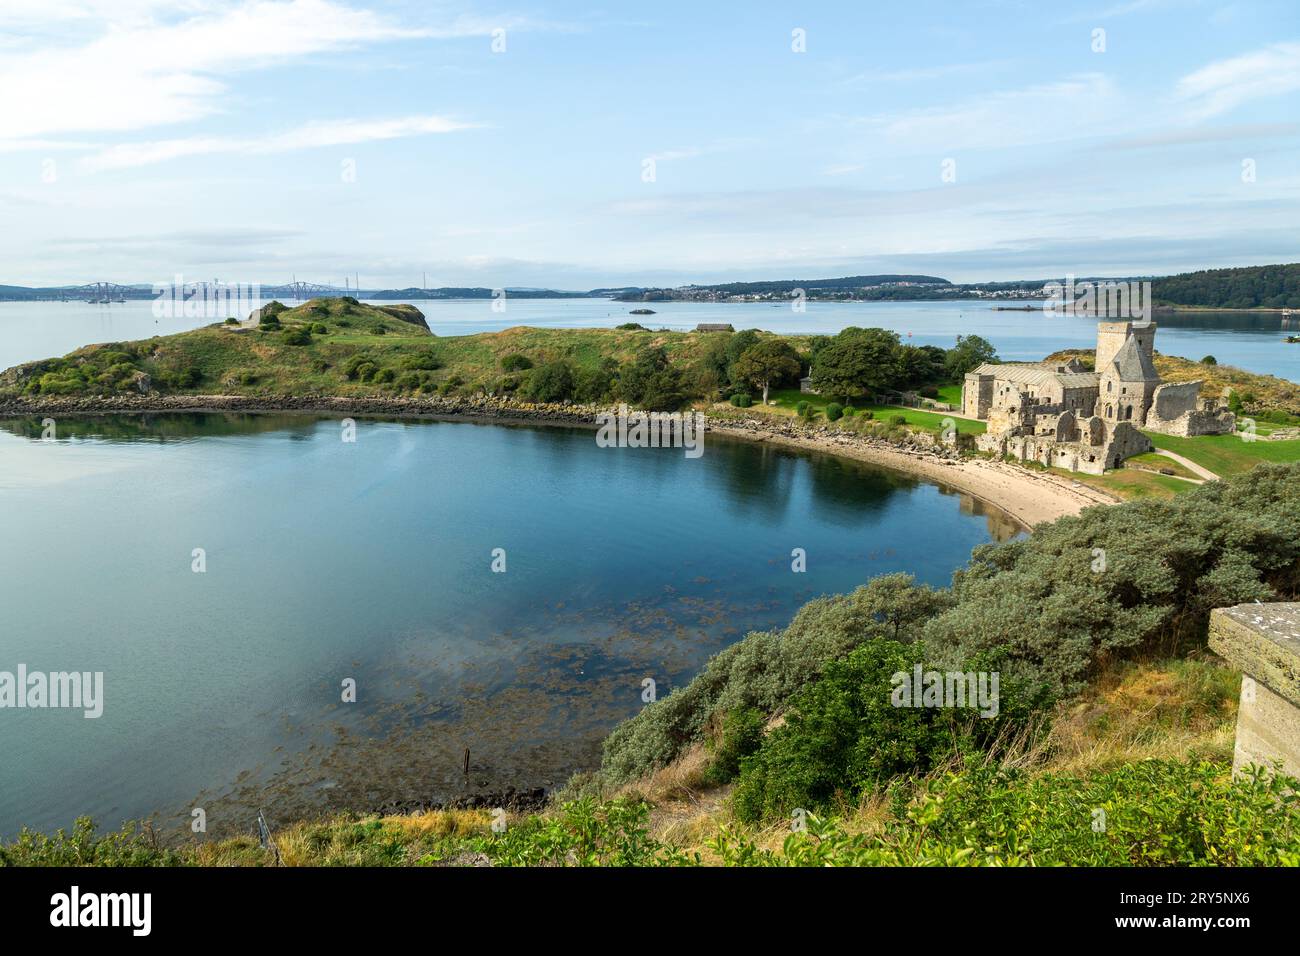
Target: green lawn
x=787 y=398
x=1153 y=461
x=1130 y=483
x=1227 y=454
x=950 y=394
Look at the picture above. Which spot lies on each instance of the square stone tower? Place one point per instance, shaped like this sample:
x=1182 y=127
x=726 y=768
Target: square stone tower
x=1111 y=337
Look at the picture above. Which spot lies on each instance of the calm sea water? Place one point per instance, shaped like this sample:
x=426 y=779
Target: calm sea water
x=372 y=561
x=31 y=331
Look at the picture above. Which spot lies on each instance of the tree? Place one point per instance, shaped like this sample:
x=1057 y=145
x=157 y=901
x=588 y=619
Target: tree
x=857 y=362
x=650 y=382
x=552 y=382
x=770 y=361
x=921 y=364
x=969 y=353
x=736 y=346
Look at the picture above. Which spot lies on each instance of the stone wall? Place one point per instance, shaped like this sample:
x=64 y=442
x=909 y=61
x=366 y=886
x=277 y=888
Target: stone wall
x=1175 y=400
x=1263 y=640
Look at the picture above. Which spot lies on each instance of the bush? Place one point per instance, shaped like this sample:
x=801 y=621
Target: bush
x=849 y=411
x=631 y=327
x=297 y=336
x=867 y=414
x=766 y=668
x=742 y=735
x=834 y=412
x=516 y=363
x=845 y=735
x=898 y=419
x=319 y=328
x=421 y=361
x=928 y=391
x=384 y=376
x=232 y=321
x=741 y=400
x=651 y=382
x=356 y=367
x=553 y=382
x=1209 y=360
x=801 y=407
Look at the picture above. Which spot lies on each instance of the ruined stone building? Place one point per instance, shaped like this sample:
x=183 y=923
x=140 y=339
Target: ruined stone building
x=1062 y=415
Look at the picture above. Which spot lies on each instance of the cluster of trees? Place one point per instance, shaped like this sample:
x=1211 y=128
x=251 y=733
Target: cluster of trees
x=862 y=362
x=1254 y=287
x=1034 y=610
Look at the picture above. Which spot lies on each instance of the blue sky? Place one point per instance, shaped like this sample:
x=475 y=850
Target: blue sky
x=253 y=141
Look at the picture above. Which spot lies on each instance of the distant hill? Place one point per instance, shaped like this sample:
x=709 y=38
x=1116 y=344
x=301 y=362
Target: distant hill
x=1251 y=287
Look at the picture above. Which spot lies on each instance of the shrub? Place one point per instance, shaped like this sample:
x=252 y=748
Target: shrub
x=849 y=411
x=232 y=321
x=741 y=400
x=764 y=669
x=631 y=327
x=651 y=382
x=1209 y=360
x=352 y=367
x=516 y=363
x=801 y=407
x=928 y=391
x=898 y=419
x=384 y=376
x=422 y=361
x=742 y=735
x=552 y=382
x=834 y=412
x=867 y=414
x=845 y=734
x=319 y=328
x=300 y=335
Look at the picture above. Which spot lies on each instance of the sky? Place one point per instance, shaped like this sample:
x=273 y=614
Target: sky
x=575 y=146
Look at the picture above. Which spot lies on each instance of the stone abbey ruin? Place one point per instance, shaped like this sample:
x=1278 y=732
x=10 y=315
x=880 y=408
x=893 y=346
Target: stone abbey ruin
x=1062 y=415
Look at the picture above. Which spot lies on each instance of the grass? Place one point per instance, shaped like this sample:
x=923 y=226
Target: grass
x=1227 y=455
x=1130 y=483
x=1152 y=461
x=950 y=394
x=788 y=398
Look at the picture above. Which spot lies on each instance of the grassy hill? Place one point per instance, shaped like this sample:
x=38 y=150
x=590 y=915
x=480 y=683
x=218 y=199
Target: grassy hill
x=338 y=346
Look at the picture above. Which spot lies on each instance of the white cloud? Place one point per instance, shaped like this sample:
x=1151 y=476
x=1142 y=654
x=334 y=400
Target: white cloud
x=309 y=136
x=1072 y=108
x=143 y=74
x=1226 y=84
